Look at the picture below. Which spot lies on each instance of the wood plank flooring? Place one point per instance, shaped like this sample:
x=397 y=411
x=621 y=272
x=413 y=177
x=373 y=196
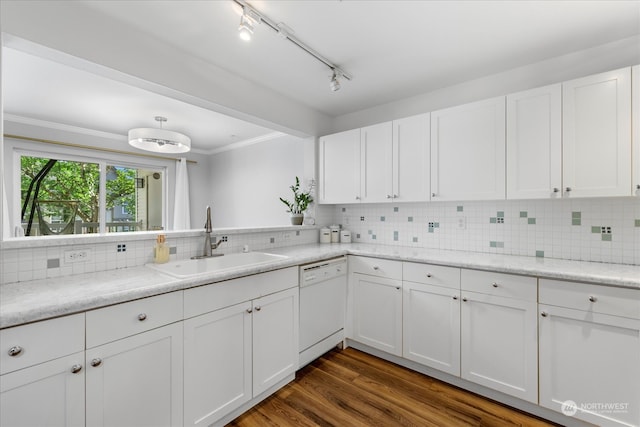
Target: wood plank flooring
x=347 y=388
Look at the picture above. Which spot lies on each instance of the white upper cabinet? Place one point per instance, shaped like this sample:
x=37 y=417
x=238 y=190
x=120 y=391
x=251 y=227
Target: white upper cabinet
x=468 y=151
x=534 y=143
x=597 y=135
x=339 y=167
x=376 y=153
x=411 y=178
x=635 y=125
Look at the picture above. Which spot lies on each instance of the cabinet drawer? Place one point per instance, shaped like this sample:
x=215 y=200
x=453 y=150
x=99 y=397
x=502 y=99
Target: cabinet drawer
x=431 y=274
x=41 y=341
x=215 y=296
x=587 y=297
x=123 y=320
x=500 y=284
x=376 y=267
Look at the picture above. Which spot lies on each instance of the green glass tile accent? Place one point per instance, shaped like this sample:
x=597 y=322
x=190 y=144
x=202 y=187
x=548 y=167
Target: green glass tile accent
x=395 y=235
x=539 y=254
x=606 y=237
x=595 y=229
x=369 y=231
x=576 y=215
x=382 y=218
x=395 y=209
x=493 y=220
x=576 y=221
x=523 y=214
x=436 y=225
x=459 y=208
x=531 y=220
x=344 y=209
x=410 y=219
x=493 y=244
x=637 y=222
x=357 y=235
x=415 y=240
x=500 y=244
x=500 y=214
x=374 y=237
x=430 y=229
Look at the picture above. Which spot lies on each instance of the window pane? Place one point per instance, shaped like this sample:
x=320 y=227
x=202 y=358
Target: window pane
x=59 y=196
x=134 y=199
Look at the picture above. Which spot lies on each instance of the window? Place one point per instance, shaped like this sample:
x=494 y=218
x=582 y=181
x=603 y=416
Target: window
x=72 y=196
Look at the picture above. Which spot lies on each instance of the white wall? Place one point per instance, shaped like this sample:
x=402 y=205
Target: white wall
x=618 y=54
x=246 y=182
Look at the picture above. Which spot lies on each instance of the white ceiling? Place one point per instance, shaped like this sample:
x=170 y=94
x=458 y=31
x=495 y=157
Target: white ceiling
x=393 y=49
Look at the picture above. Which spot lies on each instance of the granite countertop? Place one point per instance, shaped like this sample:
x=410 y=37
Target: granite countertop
x=26 y=302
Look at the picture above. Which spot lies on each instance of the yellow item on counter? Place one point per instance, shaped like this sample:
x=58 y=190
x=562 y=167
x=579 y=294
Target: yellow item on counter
x=161 y=251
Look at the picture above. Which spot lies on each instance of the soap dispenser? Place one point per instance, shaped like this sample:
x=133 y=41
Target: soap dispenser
x=161 y=251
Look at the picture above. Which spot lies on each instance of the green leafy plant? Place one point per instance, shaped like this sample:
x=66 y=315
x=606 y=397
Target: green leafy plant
x=301 y=199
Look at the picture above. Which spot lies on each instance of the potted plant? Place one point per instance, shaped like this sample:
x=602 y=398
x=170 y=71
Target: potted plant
x=300 y=203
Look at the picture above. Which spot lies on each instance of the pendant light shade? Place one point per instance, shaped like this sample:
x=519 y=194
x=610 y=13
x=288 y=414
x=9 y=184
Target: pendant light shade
x=159 y=140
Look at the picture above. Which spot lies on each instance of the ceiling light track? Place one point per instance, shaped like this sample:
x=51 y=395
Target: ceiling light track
x=252 y=13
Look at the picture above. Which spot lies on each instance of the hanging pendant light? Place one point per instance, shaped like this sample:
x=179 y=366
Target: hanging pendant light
x=159 y=140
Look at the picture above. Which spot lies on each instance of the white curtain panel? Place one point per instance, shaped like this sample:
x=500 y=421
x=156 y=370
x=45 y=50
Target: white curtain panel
x=181 y=211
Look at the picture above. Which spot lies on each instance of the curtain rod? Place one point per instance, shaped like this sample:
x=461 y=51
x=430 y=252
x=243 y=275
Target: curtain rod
x=88 y=147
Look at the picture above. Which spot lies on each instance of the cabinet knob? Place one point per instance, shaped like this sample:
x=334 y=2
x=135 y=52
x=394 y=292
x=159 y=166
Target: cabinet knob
x=398 y=287
x=375 y=267
x=464 y=299
x=494 y=284
x=389 y=196
x=258 y=308
x=568 y=189
x=249 y=311
x=455 y=297
x=638 y=186
x=544 y=314
x=395 y=196
x=592 y=298
x=142 y=317
x=96 y=362
x=76 y=368
x=556 y=190
x=429 y=275
x=433 y=194
x=15 y=351
x=357 y=197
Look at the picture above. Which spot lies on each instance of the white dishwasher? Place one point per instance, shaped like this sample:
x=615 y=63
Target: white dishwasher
x=323 y=301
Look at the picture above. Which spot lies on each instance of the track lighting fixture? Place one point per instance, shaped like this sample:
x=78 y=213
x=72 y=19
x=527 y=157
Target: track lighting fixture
x=334 y=84
x=245 y=29
x=250 y=17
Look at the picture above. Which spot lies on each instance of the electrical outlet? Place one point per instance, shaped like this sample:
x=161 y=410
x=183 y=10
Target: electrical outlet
x=81 y=255
x=462 y=223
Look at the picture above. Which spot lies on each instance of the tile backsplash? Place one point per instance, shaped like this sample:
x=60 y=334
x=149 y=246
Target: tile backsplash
x=32 y=263
x=600 y=230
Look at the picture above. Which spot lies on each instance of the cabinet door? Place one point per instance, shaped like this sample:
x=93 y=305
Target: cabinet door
x=431 y=326
x=597 y=135
x=48 y=394
x=376 y=161
x=499 y=344
x=534 y=143
x=136 y=381
x=592 y=360
x=468 y=151
x=339 y=164
x=635 y=126
x=275 y=338
x=411 y=177
x=217 y=364
x=377 y=312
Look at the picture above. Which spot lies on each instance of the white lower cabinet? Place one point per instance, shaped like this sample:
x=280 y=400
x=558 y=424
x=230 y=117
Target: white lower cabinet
x=377 y=312
x=431 y=326
x=48 y=394
x=499 y=332
x=590 y=353
x=136 y=381
x=244 y=347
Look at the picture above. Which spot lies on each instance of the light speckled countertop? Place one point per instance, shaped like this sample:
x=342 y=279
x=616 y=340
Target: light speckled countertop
x=26 y=302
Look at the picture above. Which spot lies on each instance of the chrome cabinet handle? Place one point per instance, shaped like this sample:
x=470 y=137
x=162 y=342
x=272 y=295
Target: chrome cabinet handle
x=592 y=298
x=142 y=317
x=494 y=284
x=258 y=308
x=544 y=314
x=96 y=362
x=15 y=351
x=249 y=311
x=76 y=368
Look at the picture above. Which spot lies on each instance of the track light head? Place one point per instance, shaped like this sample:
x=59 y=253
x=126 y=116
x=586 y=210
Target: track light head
x=245 y=29
x=334 y=84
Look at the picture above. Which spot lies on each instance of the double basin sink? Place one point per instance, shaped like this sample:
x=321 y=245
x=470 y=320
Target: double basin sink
x=195 y=267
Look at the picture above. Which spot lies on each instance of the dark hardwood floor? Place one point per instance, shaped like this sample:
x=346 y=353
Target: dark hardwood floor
x=349 y=388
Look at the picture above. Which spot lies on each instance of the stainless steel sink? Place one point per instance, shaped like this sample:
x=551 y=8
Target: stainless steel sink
x=195 y=267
